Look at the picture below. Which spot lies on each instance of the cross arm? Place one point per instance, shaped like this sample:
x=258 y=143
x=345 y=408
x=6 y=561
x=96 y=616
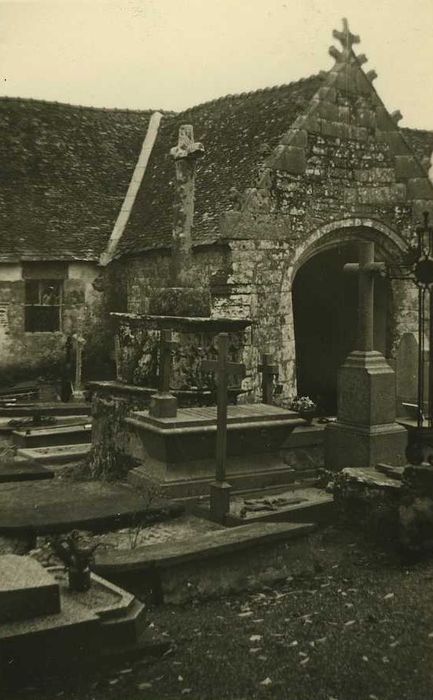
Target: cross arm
x=233 y=368
x=372 y=268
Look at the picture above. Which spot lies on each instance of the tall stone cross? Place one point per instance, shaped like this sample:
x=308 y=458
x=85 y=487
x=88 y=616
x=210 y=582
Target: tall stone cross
x=185 y=156
x=220 y=490
x=164 y=404
x=269 y=371
x=79 y=343
x=367 y=269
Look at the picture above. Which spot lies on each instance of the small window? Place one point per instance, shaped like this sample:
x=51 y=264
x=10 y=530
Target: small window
x=43 y=304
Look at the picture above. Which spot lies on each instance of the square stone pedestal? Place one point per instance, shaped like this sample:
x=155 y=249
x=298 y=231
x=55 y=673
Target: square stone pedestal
x=365 y=432
x=27 y=590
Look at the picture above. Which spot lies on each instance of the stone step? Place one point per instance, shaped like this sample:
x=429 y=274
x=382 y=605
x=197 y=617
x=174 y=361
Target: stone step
x=389 y=470
x=56 y=454
x=47 y=437
x=241 y=482
x=21 y=408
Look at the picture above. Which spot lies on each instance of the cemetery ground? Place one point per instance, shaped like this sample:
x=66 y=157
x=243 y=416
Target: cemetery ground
x=359 y=627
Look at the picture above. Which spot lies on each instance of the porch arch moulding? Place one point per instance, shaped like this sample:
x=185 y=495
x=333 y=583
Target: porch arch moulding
x=391 y=244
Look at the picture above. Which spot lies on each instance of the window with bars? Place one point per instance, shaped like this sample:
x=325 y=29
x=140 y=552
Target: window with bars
x=43 y=305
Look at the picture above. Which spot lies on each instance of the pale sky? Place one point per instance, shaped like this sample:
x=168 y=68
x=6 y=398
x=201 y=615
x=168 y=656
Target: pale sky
x=171 y=54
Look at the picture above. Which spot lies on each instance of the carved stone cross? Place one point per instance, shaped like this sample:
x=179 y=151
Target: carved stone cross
x=220 y=490
x=346 y=38
x=366 y=270
x=185 y=156
x=79 y=343
x=163 y=404
x=269 y=371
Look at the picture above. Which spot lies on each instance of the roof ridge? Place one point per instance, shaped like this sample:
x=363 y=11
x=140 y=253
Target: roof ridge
x=247 y=93
x=126 y=110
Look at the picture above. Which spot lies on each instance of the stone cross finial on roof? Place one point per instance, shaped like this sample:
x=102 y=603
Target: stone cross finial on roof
x=185 y=155
x=346 y=38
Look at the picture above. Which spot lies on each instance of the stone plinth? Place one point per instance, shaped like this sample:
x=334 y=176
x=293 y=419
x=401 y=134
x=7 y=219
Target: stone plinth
x=184 y=446
x=66 y=629
x=365 y=432
x=27 y=590
x=266 y=446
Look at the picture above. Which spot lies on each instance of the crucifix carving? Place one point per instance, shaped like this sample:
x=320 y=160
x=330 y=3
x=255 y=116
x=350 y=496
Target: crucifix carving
x=367 y=269
x=269 y=371
x=164 y=404
x=222 y=368
x=185 y=155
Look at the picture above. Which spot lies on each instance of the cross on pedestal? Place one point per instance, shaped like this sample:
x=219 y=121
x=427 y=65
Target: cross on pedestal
x=164 y=404
x=79 y=343
x=365 y=432
x=220 y=490
x=269 y=371
x=367 y=269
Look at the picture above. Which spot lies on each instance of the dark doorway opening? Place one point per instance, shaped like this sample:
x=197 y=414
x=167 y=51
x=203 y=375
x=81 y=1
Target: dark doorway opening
x=325 y=308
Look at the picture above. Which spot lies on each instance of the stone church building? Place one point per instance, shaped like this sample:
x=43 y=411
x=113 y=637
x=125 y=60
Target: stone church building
x=292 y=178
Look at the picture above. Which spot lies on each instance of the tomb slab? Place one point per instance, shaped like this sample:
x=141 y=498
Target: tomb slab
x=27 y=590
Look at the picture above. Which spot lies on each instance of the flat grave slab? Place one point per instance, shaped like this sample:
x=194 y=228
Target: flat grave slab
x=20 y=408
x=56 y=453
x=303 y=505
x=59 y=506
x=205 y=416
x=27 y=590
x=23 y=470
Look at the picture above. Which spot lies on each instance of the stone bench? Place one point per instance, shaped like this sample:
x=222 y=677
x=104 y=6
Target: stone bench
x=216 y=563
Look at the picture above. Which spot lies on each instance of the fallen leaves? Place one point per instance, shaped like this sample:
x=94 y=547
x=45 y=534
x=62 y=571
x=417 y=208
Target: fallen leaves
x=266 y=682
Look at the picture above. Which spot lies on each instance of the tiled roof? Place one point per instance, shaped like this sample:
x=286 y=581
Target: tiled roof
x=63 y=176
x=235 y=131
x=65 y=169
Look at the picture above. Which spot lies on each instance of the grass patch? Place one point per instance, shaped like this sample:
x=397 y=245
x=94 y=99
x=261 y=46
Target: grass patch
x=359 y=628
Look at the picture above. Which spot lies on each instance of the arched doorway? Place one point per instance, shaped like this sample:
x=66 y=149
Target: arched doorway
x=325 y=308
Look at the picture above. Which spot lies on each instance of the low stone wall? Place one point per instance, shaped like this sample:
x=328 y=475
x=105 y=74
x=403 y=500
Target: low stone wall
x=369 y=501
x=215 y=564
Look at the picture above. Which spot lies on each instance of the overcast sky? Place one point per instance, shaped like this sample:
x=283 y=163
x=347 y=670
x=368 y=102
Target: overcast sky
x=176 y=53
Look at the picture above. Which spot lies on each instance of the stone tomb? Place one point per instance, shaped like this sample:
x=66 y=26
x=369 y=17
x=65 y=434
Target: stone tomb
x=182 y=448
x=45 y=626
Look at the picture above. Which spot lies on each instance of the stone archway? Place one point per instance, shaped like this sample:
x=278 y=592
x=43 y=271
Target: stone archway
x=324 y=303
x=325 y=313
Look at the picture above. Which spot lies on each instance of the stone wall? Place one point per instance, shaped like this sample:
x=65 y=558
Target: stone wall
x=342 y=173
x=31 y=354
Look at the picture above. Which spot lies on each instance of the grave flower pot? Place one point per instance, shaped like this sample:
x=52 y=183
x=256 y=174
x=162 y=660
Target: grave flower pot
x=308 y=414
x=79 y=579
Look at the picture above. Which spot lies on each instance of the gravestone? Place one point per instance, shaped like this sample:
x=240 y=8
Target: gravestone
x=365 y=432
x=26 y=589
x=406 y=369
x=44 y=626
